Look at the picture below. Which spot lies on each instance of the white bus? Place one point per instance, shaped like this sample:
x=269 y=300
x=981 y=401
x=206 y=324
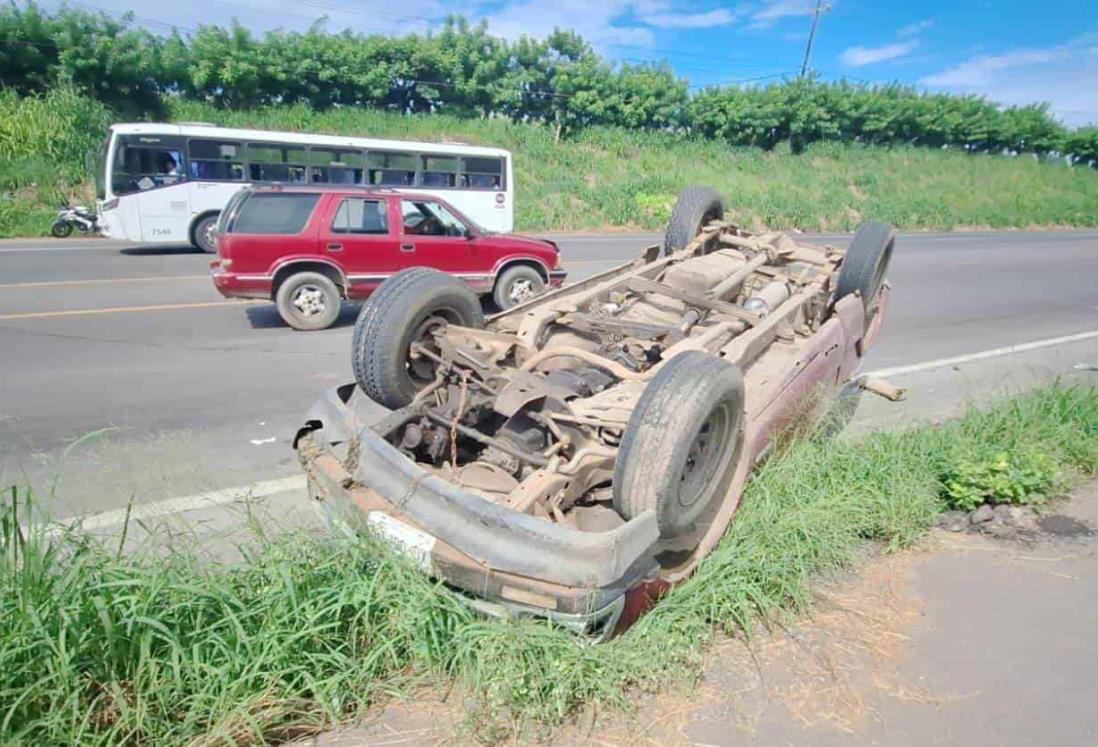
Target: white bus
x=167 y=183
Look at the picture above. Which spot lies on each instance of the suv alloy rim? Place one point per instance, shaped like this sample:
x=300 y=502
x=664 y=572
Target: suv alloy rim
x=521 y=290
x=309 y=300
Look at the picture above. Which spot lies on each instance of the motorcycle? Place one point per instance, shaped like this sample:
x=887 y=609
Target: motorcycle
x=73 y=216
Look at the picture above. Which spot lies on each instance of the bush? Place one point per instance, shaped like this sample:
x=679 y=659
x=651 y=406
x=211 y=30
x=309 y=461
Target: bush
x=1024 y=477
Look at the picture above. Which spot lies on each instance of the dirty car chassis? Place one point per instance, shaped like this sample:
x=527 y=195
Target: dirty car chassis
x=576 y=455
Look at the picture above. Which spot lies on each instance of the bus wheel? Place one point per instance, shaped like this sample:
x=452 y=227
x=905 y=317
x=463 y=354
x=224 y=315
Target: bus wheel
x=205 y=234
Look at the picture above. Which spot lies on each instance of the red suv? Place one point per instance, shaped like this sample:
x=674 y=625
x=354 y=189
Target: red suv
x=306 y=248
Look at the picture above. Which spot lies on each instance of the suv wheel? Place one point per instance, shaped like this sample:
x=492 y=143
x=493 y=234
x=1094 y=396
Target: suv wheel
x=308 y=301
x=517 y=285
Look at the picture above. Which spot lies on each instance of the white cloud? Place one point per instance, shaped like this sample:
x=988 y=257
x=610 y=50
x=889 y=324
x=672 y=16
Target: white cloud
x=669 y=20
x=913 y=29
x=1065 y=75
x=594 y=21
x=983 y=70
x=604 y=24
x=775 y=10
x=859 y=56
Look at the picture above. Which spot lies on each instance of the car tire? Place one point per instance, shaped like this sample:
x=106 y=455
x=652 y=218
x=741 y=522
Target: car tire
x=61 y=229
x=308 y=301
x=865 y=265
x=403 y=310
x=205 y=234
x=681 y=445
x=517 y=284
x=695 y=207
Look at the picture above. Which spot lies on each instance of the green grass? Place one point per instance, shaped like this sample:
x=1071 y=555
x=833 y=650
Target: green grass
x=606 y=176
x=101 y=647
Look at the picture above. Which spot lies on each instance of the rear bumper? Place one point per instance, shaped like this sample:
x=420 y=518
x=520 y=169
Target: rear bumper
x=504 y=562
x=234 y=285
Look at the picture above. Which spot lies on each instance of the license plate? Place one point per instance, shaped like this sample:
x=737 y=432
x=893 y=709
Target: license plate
x=406 y=540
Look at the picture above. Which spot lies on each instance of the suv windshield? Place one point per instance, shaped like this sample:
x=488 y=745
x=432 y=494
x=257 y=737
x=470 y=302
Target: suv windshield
x=274 y=213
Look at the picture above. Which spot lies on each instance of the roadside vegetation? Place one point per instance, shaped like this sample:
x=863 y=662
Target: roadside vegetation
x=596 y=144
x=110 y=645
x=600 y=177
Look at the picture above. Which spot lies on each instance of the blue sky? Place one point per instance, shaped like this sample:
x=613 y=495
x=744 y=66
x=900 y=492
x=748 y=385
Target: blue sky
x=1012 y=51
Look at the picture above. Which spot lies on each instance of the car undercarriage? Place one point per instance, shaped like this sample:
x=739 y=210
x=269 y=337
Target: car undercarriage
x=575 y=455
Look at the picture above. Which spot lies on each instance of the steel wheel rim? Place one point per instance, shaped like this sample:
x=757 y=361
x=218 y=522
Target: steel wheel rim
x=422 y=369
x=710 y=451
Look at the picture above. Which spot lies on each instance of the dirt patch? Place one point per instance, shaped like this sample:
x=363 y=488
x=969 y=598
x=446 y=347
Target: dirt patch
x=828 y=669
x=1064 y=526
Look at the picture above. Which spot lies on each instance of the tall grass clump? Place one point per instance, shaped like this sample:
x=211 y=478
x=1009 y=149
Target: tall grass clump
x=97 y=647
x=46 y=143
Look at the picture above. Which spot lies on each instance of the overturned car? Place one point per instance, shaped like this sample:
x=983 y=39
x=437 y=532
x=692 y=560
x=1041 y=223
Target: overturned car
x=575 y=455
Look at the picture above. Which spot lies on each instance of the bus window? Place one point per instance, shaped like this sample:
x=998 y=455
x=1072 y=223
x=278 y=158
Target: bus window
x=482 y=173
x=391 y=169
x=331 y=166
x=276 y=163
x=439 y=171
x=216 y=161
x=137 y=168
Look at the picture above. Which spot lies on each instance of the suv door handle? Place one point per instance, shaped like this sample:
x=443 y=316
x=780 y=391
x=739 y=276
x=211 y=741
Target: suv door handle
x=407 y=247
x=335 y=247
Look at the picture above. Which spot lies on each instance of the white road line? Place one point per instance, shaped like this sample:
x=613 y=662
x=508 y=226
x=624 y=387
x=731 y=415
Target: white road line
x=185 y=503
x=66 y=248
x=297 y=482
x=982 y=355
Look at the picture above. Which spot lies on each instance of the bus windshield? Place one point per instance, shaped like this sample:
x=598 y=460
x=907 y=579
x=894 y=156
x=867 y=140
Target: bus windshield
x=142 y=163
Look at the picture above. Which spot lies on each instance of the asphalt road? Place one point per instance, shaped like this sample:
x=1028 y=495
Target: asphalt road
x=167 y=389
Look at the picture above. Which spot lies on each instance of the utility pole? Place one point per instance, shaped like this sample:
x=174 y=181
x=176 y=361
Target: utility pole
x=811 y=36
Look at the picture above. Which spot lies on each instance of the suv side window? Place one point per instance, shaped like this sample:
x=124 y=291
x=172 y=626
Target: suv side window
x=356 y=215
x=274 y=213
x=428 y=218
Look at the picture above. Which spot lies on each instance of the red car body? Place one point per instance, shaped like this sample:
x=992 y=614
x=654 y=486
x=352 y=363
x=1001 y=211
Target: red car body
x=254 y=263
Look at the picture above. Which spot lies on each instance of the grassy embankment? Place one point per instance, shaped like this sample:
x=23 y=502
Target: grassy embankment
x=604 y=177
x=101 y=647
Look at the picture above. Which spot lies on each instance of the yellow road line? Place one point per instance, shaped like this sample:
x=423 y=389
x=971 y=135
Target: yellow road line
x=119 y=309
x=39 y=284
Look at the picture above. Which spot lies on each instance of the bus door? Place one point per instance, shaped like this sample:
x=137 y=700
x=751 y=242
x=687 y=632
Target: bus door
x=148 y=173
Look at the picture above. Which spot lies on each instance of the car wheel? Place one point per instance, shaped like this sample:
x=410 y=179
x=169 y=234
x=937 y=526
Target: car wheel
x=205 y=234
x=695 y=207
x=516 y=285
x=61 y=229
x=866 y=264
x=308 y=301
x=681 y=446
x=406 y=309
